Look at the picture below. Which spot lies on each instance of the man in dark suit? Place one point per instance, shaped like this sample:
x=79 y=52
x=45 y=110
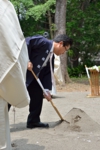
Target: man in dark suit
x=40 y=50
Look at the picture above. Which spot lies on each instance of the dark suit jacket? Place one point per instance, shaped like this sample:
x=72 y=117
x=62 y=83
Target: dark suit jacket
x=38 y=49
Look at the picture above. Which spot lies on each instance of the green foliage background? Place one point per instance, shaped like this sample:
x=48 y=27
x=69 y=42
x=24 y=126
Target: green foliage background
x=82 y=24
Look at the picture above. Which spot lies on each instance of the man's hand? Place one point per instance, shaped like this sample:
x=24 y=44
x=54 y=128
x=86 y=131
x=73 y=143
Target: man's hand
x=30 y=66
x=47 y=96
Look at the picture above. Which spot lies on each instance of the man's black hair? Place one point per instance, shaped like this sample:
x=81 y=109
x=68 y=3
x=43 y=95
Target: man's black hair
x=63 y=37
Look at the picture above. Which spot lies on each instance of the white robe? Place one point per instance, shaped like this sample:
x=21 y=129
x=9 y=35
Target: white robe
x=57 y=74
x=5 y=141
x=13 y=65
x=13 y=57
x=57 y=71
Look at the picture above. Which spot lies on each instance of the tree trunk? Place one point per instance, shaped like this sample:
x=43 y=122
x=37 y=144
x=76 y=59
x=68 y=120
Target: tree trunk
x=50 y=23
x=60 y=22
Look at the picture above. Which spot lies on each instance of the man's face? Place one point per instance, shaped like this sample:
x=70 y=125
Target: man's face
x=60 y=49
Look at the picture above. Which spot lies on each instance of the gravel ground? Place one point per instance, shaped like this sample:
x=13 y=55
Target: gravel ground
x=81 y=133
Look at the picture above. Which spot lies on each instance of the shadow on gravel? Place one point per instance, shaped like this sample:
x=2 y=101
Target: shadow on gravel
x=18 y=127
x=22 y=126
x=22 y=144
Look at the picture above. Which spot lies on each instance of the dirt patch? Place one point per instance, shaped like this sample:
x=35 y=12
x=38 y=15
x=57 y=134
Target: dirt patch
x=77 y=84
x=79 y=122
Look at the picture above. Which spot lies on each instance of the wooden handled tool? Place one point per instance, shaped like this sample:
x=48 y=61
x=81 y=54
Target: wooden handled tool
x=46 y=94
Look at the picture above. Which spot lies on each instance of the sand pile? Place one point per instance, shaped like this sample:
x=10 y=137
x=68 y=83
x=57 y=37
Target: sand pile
x=79 y=122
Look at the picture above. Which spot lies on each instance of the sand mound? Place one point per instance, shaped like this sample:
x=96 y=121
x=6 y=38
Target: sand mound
x=79 y=122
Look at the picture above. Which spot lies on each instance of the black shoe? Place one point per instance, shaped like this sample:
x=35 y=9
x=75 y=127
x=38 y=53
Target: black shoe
x=38 y=124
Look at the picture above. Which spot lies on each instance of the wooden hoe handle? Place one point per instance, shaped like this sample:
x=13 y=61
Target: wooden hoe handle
x=51 y=100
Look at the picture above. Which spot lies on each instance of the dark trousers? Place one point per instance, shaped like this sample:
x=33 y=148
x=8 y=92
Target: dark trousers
x=36 y=100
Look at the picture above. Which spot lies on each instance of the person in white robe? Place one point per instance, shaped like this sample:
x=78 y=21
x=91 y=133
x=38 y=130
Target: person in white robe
x=13 y=66
x=57 y=75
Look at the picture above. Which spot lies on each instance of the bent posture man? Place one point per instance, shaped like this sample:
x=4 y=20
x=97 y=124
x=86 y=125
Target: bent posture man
x=40 y=51
x=13 y=65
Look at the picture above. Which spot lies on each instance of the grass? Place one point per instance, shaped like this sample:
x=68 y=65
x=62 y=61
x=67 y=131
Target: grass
x=83 y=79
